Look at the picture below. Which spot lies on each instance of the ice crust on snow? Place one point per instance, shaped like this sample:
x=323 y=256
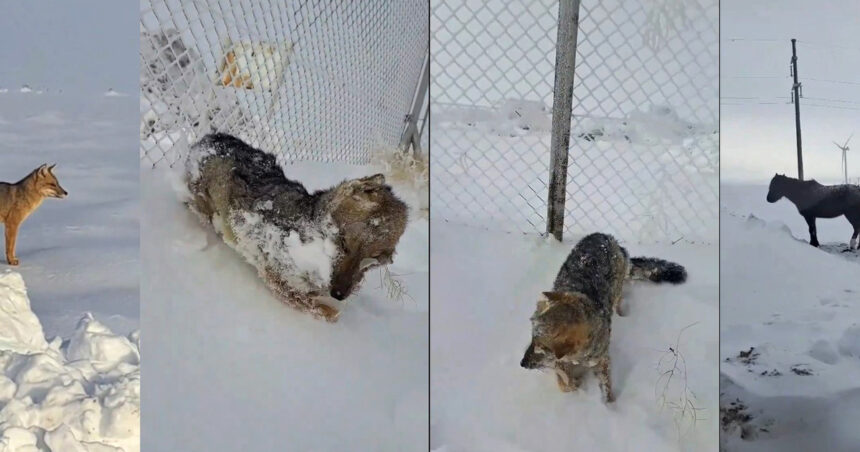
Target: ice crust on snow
x=82 y=395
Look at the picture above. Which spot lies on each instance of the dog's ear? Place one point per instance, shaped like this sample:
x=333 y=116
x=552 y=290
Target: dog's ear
x=51 y=168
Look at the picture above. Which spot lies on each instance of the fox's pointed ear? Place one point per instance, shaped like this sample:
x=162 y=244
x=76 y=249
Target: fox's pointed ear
x=377 y=179
x=51 y=168
x=542 y=306
x=554 y=296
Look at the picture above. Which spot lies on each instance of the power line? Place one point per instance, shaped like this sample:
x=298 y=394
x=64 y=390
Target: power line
x=842 y=82
x=834 y=107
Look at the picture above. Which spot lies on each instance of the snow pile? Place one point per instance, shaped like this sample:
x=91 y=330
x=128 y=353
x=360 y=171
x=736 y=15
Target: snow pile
x=79 y=395
x=790 y=336
x=485 y=288
x=114 y=93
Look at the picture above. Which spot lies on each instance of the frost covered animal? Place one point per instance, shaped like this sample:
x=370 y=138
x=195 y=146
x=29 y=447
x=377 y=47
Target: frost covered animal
x=814 y=200
x=571 y=325
x=305 y=246
x=19 y=200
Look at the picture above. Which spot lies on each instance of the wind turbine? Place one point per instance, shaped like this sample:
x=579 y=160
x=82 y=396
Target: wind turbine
x=844 y=148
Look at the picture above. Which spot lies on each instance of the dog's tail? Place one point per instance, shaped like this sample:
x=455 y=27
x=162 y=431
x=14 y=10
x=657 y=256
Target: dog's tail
x=656 y=270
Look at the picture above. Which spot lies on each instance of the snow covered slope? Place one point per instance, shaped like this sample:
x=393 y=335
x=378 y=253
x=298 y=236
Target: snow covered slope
x=485 y=285
x=232 y=368
x=790 y=334
x=82 y=394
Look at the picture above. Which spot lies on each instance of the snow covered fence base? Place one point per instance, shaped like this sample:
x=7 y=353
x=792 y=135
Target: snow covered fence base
x=77 y=395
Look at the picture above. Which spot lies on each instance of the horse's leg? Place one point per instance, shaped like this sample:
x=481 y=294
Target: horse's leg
x=854 y=218
x=813 y=237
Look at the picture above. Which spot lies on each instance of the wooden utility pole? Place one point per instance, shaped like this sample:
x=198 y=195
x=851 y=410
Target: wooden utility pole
x=796 y=99
x=562 y=102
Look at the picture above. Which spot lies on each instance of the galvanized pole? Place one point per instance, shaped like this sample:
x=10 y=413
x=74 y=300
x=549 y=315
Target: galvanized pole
x=796 y=89
x=562 y=100
x=412 y=135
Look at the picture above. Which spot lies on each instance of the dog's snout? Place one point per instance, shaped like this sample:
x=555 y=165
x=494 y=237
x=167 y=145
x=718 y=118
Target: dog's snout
x=338 y=294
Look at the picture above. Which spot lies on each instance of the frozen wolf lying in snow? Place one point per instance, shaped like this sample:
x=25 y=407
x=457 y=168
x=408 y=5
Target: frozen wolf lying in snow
x=305 y=246
x=571 y=325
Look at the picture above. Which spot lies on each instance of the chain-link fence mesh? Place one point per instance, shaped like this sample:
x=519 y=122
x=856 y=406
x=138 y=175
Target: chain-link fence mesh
x=644 y=150
x=305 y=80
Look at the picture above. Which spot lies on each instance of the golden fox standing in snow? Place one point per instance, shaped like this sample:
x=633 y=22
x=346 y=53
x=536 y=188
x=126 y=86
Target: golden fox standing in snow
x=19 y=200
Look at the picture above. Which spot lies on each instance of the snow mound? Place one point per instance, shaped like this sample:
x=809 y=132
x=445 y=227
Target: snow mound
x=83 y=395
x=113 y=93
x=20 y=330
x=789 y=341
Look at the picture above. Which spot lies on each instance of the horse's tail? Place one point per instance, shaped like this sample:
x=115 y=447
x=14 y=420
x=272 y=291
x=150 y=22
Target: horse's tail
x=656 y=270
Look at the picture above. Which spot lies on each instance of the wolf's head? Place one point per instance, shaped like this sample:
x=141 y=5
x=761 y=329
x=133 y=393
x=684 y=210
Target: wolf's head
x=559 y=330
x=46 y=183
x=370 y=219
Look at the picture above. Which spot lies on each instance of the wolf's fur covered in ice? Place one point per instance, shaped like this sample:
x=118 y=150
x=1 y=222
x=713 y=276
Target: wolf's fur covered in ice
x=307 y=247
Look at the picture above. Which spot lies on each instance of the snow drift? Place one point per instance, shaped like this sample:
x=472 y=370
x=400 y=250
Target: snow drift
x=82 y=394
x=790 y=336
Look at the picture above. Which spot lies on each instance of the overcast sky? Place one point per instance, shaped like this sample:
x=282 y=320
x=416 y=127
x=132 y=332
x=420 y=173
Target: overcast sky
x=758 y=140
x=81 y=47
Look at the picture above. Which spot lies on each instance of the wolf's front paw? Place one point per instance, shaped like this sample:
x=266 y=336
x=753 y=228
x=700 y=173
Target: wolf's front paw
x=12 y=260
x=327 y=313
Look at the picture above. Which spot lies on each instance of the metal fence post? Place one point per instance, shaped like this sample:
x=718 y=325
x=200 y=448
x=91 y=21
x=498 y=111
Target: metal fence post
x=565 y=63
x=412 y=134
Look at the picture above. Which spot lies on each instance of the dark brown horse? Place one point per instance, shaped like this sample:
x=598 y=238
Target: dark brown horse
x=814 y=200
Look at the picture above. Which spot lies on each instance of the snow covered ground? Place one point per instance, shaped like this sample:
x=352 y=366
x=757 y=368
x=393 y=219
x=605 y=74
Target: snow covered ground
x=232 y=368
x=485 y=285
x=789 y=329
x=81 y=394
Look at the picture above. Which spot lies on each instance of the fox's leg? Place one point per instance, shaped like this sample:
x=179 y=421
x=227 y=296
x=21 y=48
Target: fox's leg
x=567 y=377
x=297 y=300
x=617 y=302
x=11 y=236
x=604 y=377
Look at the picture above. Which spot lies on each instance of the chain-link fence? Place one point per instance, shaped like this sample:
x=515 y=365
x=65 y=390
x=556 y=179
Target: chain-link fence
x=305 y=80
x=643 y=161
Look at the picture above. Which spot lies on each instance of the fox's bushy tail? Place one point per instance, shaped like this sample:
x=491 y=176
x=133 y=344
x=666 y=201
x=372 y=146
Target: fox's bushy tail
x=656 y=270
